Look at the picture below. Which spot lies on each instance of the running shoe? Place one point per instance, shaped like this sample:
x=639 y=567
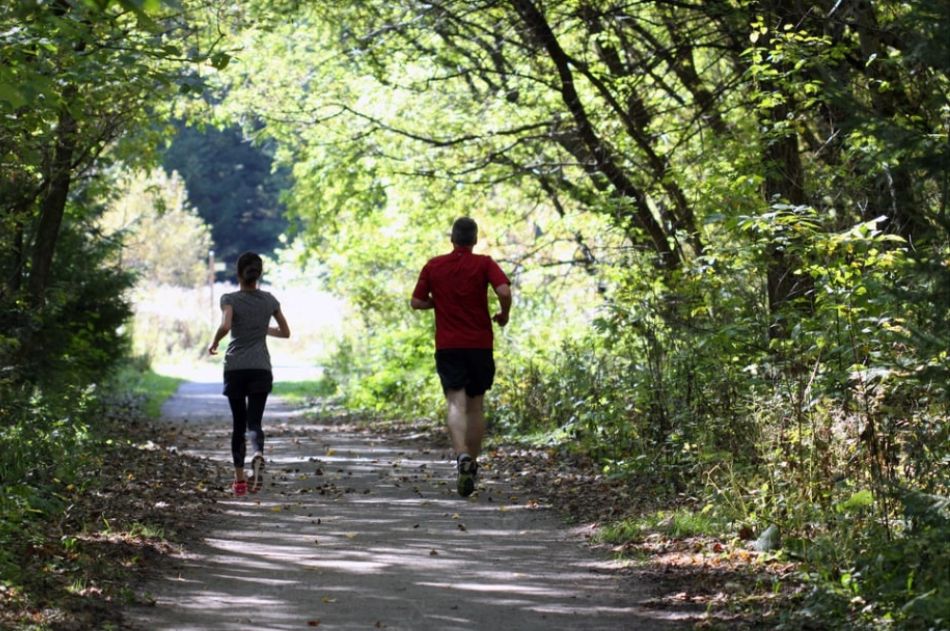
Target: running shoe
x=468 y=471
x=239 y=487
x=257 y=477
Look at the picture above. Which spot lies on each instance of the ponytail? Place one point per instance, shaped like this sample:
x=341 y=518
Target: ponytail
x=250 y=266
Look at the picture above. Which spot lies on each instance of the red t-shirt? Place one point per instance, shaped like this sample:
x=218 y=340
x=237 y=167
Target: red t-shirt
x=458 y=283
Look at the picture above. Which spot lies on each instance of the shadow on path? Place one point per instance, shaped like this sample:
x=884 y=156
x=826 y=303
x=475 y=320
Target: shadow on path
x=356 y=531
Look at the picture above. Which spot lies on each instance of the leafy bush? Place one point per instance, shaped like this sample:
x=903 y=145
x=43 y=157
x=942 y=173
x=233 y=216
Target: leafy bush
x=390 y=372
x=44 y=446
x=51 y=360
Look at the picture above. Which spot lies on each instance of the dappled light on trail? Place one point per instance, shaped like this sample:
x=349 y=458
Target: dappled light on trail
x=354 y=530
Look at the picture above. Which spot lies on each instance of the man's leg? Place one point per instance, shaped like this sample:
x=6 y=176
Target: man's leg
x=457 y=419
x=466 y=421
x=474 y=425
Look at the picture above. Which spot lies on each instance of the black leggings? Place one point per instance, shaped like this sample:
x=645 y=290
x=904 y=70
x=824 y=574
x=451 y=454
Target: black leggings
x=248 y=412
x=247 y=391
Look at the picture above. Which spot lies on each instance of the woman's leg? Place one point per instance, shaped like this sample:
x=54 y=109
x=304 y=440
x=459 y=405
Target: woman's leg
x=238 y=449
x=255 y=416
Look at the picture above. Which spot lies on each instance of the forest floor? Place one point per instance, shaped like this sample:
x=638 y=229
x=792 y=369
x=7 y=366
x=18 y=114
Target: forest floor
x=358 y=526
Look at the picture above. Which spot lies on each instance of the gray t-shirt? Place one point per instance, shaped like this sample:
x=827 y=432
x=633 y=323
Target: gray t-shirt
x=252 y=314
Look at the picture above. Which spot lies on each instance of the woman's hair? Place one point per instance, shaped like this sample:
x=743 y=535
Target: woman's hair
x=464 y=231
x=250 y=266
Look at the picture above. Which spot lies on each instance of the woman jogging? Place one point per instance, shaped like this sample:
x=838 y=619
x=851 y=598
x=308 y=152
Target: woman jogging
x=246 y=315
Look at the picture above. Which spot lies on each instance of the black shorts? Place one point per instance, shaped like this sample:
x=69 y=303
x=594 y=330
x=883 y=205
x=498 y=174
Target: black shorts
x=469 y=368
x=240 y=383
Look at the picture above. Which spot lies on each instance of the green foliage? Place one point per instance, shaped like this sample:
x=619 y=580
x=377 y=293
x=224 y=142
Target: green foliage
x=38 y=429
x=81 y=84
x=389 y=373
x=163 y=239
x=682 y=522
x=302 y=392
x=79 y=335
x=233 y=185
x=48 y=398
x=871 y=577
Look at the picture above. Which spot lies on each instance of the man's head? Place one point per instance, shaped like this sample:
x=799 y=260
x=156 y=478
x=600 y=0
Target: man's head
x=465 y=231
x=250 y=267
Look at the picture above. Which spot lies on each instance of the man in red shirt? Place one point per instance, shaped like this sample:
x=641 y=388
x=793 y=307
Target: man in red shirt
x=456 y=286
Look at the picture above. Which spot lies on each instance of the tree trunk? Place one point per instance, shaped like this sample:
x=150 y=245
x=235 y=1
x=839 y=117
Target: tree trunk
x=16 y=273
x=784 y=181
x=16 y=204
x=895 y=192
x=52 y=207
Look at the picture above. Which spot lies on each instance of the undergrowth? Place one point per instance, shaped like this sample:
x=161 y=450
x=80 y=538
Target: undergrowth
x=77 y=507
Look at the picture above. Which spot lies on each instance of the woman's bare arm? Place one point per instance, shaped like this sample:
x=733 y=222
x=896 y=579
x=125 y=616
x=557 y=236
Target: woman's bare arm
x=227 y=313
x=282 y=329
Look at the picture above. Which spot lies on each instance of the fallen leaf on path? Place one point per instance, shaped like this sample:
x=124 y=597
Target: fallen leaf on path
x=313 y=623
x=433 y=553
x=327 y=600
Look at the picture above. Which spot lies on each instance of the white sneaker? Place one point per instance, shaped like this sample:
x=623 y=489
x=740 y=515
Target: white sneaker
x=257 y=477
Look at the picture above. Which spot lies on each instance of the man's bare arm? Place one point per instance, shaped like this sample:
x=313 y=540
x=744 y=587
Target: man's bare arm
x=504 y=300
x=415 y=303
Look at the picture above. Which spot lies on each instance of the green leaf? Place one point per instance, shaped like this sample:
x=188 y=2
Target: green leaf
x=220 y=60
x=141 y=9
x=101 y=5
x=11 y=95
x=141 y=6
x=861 y=499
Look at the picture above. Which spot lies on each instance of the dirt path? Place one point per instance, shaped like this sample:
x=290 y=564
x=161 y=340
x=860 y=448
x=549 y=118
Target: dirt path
x=358 y=531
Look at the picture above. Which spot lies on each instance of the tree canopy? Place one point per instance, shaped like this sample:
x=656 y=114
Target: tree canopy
x=726 y=221
x=162 y=237
x=232 y=184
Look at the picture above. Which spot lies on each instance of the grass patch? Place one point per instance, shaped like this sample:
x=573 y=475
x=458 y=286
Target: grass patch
x=146 y=531
x=157 y=389
x=538 y=438
x=677 y=523
x=300 y=392
x=152 y=388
